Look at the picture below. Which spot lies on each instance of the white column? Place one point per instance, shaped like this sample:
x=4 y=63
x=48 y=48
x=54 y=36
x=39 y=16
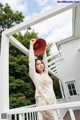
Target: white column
x=78 y=71
x=60 y=83
x=4 y=75
x=72 y=114
x=77 y=22
x=39 y=116
x=21 y=116
x=55 y=115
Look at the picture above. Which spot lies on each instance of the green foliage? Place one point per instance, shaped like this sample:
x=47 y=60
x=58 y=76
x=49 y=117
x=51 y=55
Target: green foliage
x=19 y=85
x=15 y=102
x=19 y=66
x=20 y=93
x=8 y=18
x=56 y=86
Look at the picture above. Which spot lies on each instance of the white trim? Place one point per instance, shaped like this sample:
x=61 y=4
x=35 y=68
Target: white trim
x=54 y=61
x=4 y=77
x=18 y=45
x=61 y=88
x=56 y=68
x=48 y=107
x=56 y=64
x=72 y=114
x=53 y=55
x=73 y=20
x=58 y=43
x=69 y=82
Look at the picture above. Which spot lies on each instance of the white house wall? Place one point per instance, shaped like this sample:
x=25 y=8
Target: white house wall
x=69 y=71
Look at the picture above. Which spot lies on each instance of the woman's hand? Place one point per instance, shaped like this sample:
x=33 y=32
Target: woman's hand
x=32 y=41
x=45 y=50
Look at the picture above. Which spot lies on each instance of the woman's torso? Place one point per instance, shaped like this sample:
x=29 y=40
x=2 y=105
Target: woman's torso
x=44 y=88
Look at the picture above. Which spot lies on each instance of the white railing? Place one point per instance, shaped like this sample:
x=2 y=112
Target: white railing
x=54 y=63
x=30 y=113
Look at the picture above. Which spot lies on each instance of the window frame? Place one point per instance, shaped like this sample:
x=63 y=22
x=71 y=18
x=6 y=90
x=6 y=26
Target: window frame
x=72 y=89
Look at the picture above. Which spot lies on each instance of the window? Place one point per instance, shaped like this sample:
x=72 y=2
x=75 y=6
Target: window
x=72 y=88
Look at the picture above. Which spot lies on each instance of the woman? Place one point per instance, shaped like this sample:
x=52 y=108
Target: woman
x=44 y=93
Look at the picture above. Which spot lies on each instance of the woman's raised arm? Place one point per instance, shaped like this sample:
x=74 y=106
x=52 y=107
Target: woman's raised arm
x=45 y=61
x=32 y=70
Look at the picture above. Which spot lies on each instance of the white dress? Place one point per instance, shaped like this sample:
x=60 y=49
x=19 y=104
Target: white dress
x=44 y=93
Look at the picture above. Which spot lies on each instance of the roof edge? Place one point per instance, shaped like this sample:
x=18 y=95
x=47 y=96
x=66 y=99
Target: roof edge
x=58 y=43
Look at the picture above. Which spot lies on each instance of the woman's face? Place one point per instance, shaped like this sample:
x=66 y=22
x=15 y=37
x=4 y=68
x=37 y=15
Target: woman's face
x=39 y=66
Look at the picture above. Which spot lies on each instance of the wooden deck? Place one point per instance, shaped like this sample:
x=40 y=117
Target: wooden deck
x=76 y=113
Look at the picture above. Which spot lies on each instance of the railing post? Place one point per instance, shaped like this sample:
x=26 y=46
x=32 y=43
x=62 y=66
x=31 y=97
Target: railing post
x=4 y=75
x=9 y=117
x=55 y=115
x=39 y=116
x=15 y=116
x=29 y=116
x=21 y=116
x=72 y=114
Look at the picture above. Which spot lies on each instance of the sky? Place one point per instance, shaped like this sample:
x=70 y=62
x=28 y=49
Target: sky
x=52 y=29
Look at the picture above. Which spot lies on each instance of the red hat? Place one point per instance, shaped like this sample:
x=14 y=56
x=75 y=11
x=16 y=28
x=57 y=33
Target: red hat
x=39 y=46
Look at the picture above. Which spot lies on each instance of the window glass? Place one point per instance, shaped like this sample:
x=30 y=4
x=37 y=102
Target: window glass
x=69 y=86
x=72 y=84
x=72 y=88
x=74 y=91
x=70 y=91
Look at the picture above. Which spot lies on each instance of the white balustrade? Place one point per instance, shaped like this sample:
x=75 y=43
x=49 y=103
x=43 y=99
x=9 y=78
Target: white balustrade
x=30 y=113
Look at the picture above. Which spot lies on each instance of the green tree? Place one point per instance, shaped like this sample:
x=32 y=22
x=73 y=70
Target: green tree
x=8 y=18
x=56 y=86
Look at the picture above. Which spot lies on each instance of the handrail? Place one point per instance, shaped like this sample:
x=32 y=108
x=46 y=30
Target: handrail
x=53 y=55
x=53 y=61
x=29 y=106
x=48 y=107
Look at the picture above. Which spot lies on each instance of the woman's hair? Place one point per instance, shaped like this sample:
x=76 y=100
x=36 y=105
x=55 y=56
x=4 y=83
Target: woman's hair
x=32 y=85
x=31 y=82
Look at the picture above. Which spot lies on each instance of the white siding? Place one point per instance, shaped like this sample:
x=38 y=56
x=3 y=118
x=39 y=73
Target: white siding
x=70 y=65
